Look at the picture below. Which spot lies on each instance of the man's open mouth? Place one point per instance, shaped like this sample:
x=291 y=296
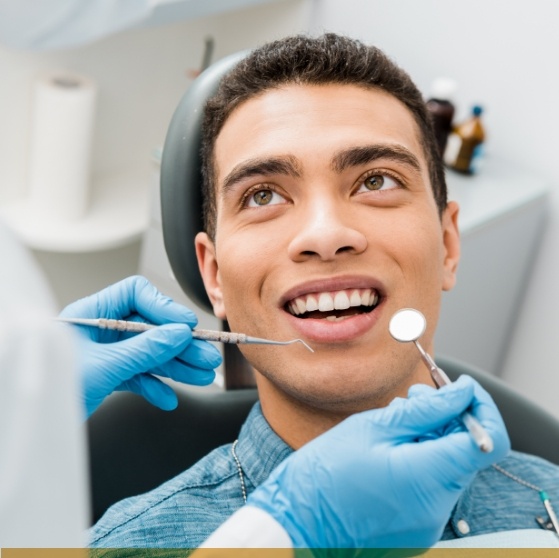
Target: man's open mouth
x=333 y=306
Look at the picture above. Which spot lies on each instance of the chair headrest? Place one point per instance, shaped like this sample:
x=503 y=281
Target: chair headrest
x=181 y=180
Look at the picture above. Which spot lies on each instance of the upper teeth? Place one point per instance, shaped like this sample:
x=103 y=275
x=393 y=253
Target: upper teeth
x=337 y=300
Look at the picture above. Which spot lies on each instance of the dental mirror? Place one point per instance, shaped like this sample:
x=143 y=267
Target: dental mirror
x=407 y=325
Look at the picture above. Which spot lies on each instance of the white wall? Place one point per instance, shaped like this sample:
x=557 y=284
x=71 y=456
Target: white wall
x=504 y=55
x=141 y=75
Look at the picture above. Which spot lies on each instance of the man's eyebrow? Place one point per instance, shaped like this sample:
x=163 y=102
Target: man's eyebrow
x=362 y=155
x=286 y=165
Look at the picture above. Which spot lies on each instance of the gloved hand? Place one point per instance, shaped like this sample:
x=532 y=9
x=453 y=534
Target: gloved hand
x=386 y=478
x=114 y=360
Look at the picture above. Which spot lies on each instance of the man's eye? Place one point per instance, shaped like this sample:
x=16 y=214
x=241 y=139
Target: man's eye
x=264 y=197
x=378 y=182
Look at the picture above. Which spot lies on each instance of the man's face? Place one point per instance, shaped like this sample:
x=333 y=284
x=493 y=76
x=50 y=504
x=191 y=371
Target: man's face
x=326 y=226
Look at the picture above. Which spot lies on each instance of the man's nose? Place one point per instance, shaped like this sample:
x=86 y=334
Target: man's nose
x=325 y=231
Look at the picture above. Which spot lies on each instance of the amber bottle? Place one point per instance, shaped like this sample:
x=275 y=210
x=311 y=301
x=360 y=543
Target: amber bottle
x=464 y=143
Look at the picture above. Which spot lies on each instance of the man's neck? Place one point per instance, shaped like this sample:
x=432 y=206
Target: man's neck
x=298 y=417
x=297 y=422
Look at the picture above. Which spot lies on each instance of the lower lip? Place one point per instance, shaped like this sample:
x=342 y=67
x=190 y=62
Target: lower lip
x=325 y=331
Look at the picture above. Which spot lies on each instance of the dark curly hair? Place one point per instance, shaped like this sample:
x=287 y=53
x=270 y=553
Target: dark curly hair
x=300 y=59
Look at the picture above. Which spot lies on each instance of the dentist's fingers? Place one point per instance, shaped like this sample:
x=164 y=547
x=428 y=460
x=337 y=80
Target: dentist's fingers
x=152 y=389
x=456 y=425
x=425 y=412
x=131 y=296
x=162 y=351
x=180 y=372
x=482 y=407
x=201 y=354
x=145 y=351
x=420 y=389
x=156 y=307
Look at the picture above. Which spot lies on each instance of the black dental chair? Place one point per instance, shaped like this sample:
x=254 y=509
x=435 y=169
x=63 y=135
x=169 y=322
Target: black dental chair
x=133 y=446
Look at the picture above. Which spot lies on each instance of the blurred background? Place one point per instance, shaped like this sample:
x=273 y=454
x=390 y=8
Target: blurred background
x=501 y=55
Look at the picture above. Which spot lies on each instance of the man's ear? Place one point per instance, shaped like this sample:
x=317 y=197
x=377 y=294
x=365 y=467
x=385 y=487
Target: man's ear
x=451 y=241
x=207 y=263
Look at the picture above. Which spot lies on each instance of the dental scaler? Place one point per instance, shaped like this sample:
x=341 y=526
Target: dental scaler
x=205 y=334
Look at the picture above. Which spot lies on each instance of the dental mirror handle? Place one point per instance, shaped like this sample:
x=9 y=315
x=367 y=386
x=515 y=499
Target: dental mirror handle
x=474 y=427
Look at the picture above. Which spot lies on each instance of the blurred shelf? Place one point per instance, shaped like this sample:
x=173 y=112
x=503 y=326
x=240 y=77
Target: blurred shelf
x=502 y=218
x=118 y=215
x=494 y=193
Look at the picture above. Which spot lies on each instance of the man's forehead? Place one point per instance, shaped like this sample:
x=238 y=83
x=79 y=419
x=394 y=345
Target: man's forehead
x=359 y=117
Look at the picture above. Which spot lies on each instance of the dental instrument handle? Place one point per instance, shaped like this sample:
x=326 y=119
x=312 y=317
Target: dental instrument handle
x=106 y=323
x=204 y=334
x=554 y=521
x=477 y=432
x=439 y=377
x=474 y=427
x=236 y=338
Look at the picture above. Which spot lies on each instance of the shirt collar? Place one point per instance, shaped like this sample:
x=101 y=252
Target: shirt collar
x=260 y=450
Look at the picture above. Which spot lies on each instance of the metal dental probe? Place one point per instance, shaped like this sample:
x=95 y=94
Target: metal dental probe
x=205 y=334
x=408 y=325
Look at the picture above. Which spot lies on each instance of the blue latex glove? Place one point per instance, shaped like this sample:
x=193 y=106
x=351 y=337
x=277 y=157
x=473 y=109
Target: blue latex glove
x=386 y=478
x=118 y=361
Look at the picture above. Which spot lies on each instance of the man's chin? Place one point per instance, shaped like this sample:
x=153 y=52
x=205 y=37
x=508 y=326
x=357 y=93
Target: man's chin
x=328 y=393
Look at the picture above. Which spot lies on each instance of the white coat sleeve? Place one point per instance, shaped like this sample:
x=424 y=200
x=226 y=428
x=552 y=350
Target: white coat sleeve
x=43 y=485
x=250 y=527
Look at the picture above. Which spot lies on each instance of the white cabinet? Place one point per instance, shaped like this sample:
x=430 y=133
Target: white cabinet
x=501 y=219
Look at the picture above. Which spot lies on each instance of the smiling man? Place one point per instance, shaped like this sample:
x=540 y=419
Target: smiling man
x=325 y=213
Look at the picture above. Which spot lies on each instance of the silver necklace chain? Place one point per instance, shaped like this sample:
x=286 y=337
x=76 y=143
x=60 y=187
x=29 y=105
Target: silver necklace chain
x=553 y=523
x=498 y=468
x=239 y=470
x=516 y=479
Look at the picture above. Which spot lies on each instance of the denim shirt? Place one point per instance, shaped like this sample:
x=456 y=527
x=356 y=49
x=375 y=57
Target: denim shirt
x=184 y=511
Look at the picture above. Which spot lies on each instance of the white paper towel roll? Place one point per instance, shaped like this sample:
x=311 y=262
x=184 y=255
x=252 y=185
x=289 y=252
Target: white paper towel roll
x=60 y=147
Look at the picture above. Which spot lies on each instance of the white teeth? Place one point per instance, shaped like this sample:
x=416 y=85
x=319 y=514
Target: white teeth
x=312 y=304
x=325 y=302
x=355 y=298
x=301 y=306
x=329 y=301
x=341 y=301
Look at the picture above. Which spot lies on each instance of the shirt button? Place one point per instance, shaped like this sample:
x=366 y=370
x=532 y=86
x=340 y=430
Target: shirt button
x=463 y=527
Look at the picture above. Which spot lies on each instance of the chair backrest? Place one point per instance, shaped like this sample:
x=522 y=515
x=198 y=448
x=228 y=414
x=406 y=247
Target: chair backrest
x=181 y=202
x=134 y=447
x=181 y=180
x=531 y=428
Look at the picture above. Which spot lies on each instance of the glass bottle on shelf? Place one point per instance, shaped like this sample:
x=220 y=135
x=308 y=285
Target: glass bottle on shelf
x=464 y=144
x=441 y=108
